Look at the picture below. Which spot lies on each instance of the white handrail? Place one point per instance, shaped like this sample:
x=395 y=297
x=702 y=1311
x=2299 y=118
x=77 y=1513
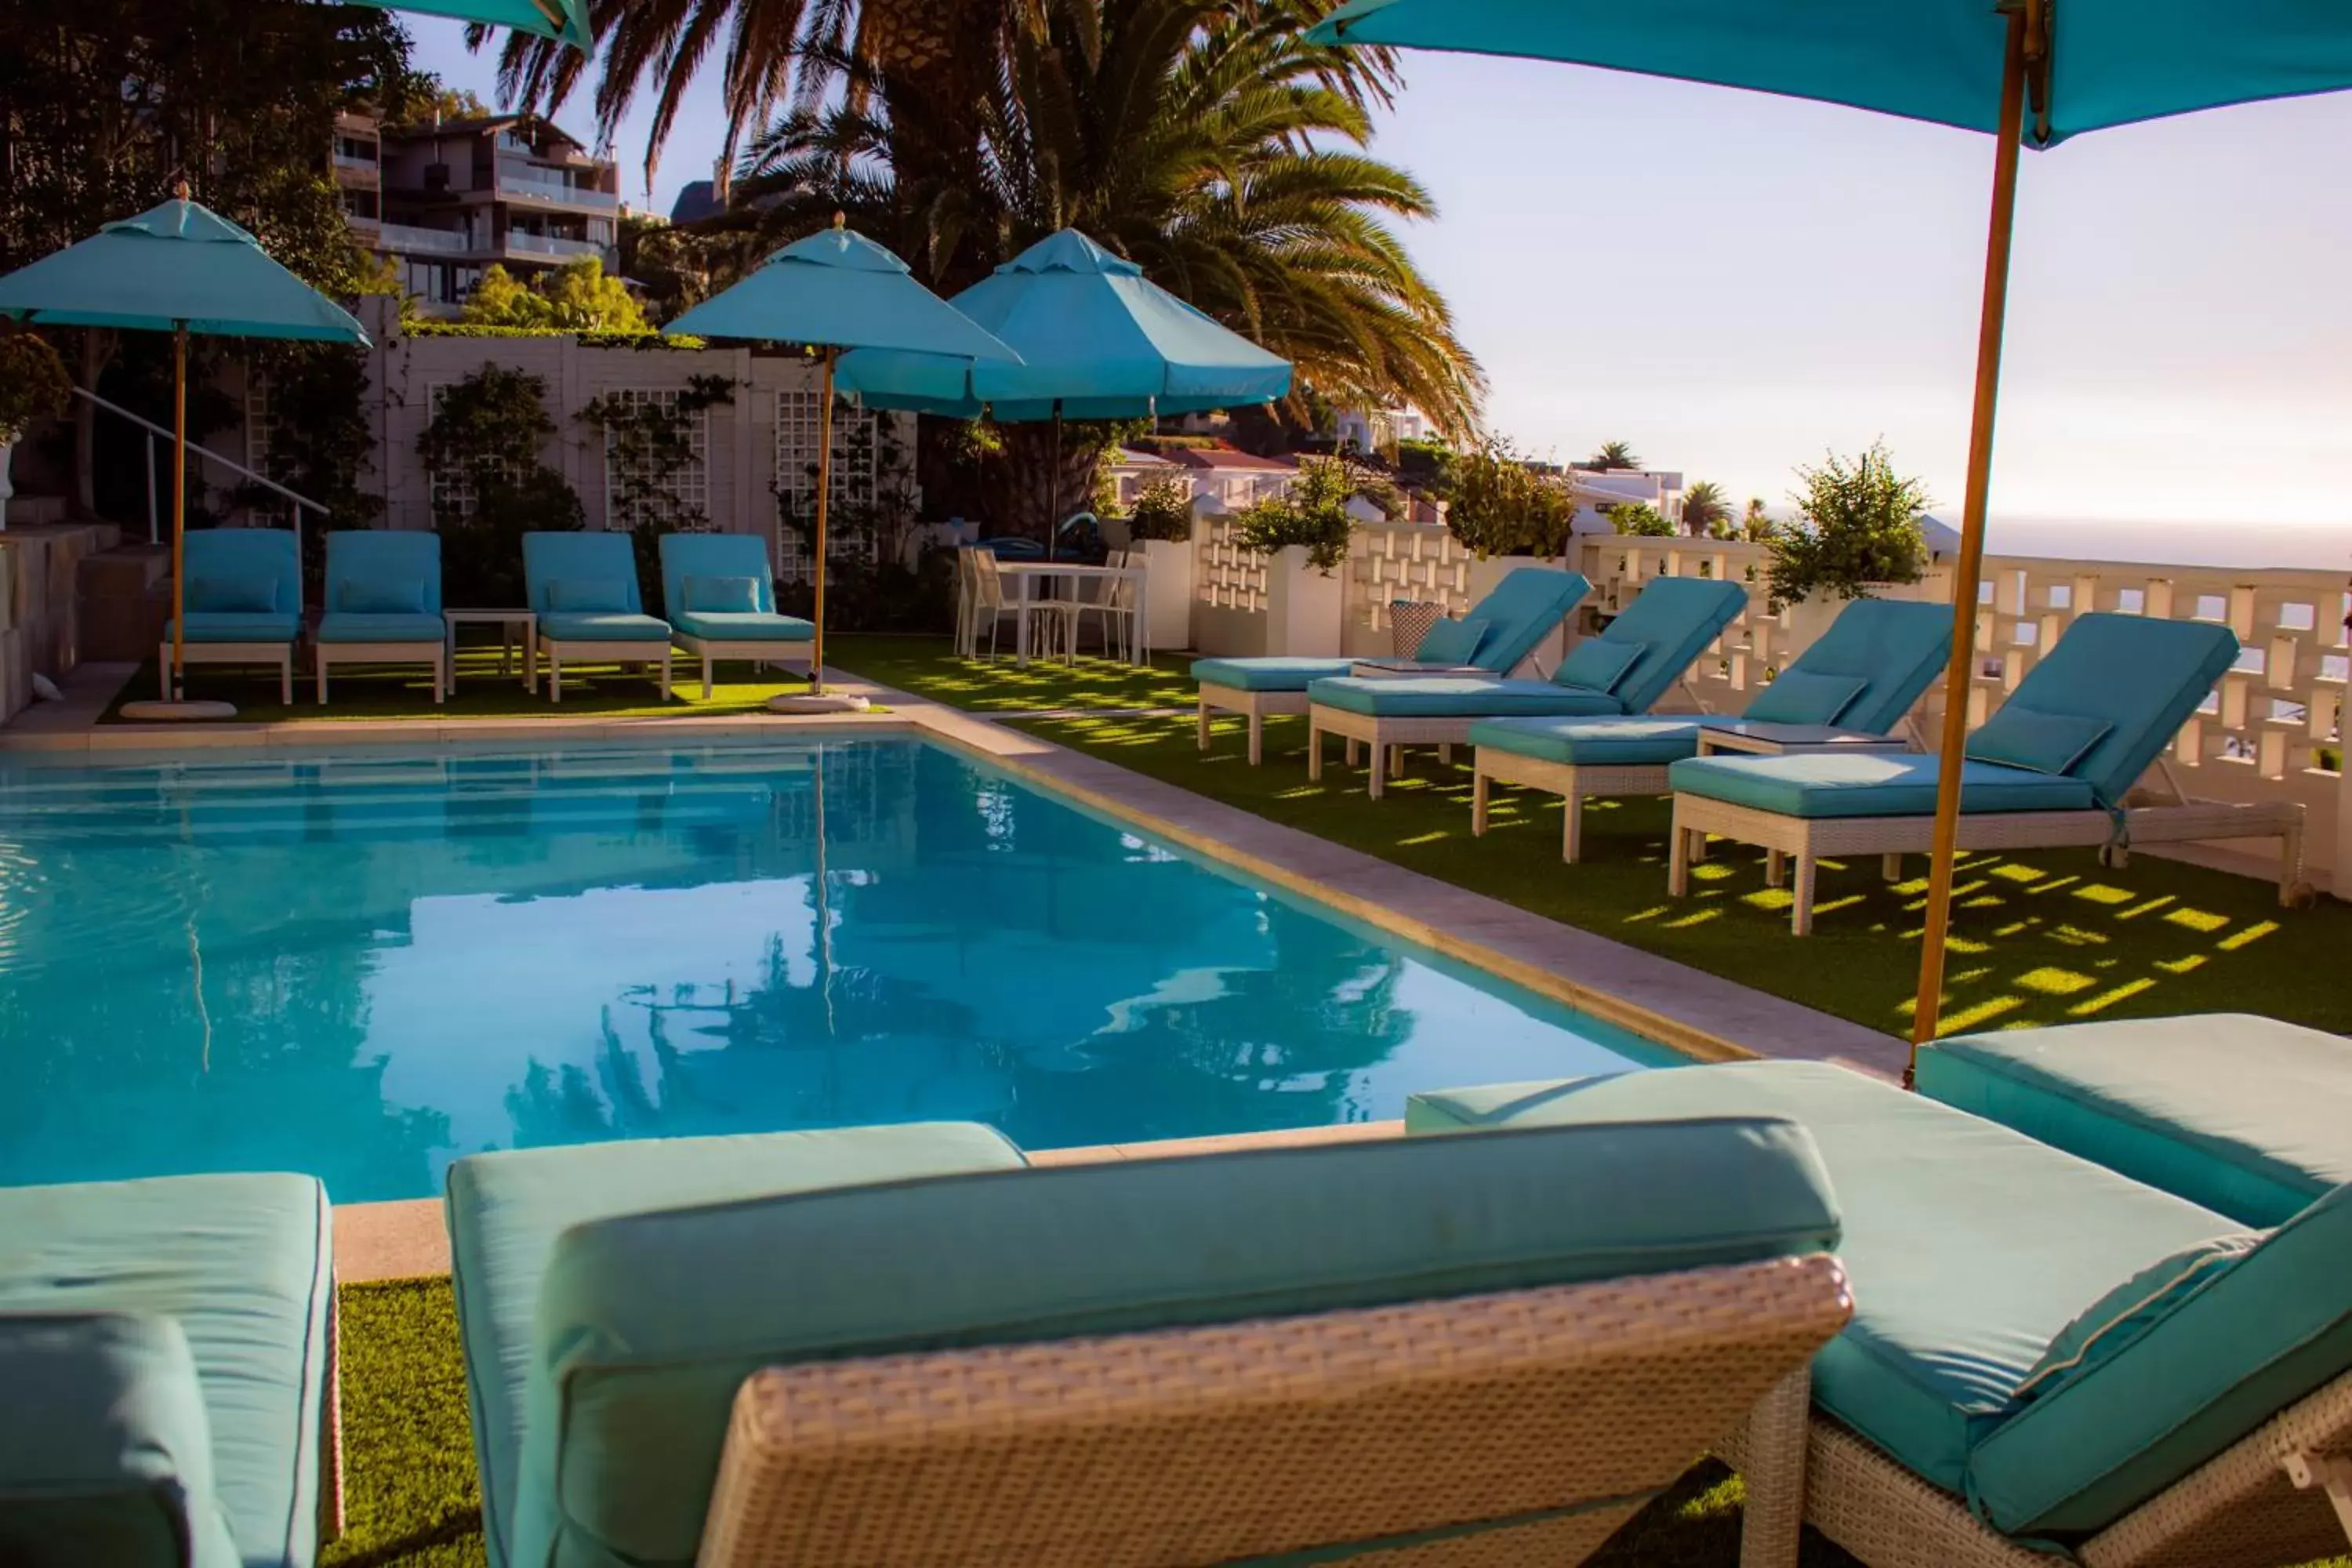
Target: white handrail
x=153 y=430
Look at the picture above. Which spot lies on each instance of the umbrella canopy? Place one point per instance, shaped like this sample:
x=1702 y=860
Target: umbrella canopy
x=1097 y=340
x=838 y=289
x=2026 y=70
x=2111 y=62
x=564 y=20
x=176 y=266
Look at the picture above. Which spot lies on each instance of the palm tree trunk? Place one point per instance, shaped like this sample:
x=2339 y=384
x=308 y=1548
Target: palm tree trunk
x=1045 y=484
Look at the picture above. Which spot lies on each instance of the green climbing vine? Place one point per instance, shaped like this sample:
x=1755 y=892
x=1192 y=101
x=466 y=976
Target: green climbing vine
x=489 y=487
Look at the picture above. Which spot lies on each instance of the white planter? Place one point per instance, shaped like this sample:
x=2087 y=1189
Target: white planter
x=1303 y=607
x=1167 y=591
x=7 y=451
x=1485 y=574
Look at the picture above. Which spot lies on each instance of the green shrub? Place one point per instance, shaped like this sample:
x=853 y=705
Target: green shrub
x=1502 y=507
x=1314 y=514
x=33 y=384
x=1857 y=524
x=1163 y=510
x=1636 y=517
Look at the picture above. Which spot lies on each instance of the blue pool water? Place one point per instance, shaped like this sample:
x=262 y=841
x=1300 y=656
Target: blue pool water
x=362 y=966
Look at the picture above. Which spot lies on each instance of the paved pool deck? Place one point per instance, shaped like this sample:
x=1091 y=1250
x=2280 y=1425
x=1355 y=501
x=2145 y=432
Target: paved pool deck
x=1699 y=1014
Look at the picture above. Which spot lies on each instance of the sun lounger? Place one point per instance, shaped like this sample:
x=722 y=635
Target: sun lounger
x=242 y=602
x=2245 y=1115
x=1860 y=678
x=2054 y=766
x=383 y=604
x=1633 y=662
x=894 y=1345
x=1524 y=608
x=583 y=589
x=720 y=595
x=167 y=1373
x=1975 y=1412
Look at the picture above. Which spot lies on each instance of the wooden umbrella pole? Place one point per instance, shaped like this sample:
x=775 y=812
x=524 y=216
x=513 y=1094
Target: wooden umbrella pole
x=2024 y=37
x=179 y=507
x=824 y=495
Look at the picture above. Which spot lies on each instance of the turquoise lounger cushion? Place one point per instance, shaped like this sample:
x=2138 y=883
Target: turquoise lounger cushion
x=1268 y=674
x=601 y=566
x=1970 y=1245
x=1598 y=664
x=1624 y=742
x=2140 y=675
x=353 y=625
x=611 y=625
x=1451 y=642
x=384 y=571
x=234 y=558
x=1674 y=619
x=726 y=572
x=2018 y=737
x=594 y=596
x=2243 y=1114
x=2270 y=1330
x=398 y=597
x=724 y=595
x=2103 y=1328
x=648 y=1324
x=505 y=1212
x=1455 y=697
x=1522 y=610
x=1897 y=647
x=1829 y=785
x=717 y=625
x=244 y=1264
x=1803 y=697
x=240 y=595
x=105 y=1454
x=209 y=627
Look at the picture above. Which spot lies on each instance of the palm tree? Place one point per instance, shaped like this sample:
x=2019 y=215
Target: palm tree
x=1613 y=454
x=1706 y=513
x=1205 y=142
x=1757 y=526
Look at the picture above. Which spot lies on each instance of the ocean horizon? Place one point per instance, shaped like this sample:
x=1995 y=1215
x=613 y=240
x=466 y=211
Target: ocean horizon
x=2311 y=546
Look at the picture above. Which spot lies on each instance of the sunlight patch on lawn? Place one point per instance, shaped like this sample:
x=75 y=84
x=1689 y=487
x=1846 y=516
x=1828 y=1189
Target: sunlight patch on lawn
x=2254 y=932
x=2196 y=919
x=2106 y=999
x=1984 y=1012
x=2052 y=981
x=2100 y=893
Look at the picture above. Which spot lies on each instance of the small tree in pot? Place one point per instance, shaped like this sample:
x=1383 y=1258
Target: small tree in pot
x=1500 y=506
x=33 y=385
x=1313 y=514
x=1163 y=511
x=1857 y=524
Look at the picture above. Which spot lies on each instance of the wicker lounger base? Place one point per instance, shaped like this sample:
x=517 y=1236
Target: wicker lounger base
x=1811 y=839
x=324 y=655
x=782 y=655
x=1253 y=705
x=647 y=655
x=1572 y=783
x=1388 y=738
x=1493 y=1430
x=2240 y=1509
x=281 y=654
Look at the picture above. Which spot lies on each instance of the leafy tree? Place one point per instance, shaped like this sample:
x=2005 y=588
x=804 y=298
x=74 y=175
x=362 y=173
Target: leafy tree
x=576 y=298
x=1640 y=517
x=104 y=102
x=1163 y=510
x=426 y=97
x=1313 y=513
x=483 y=442
x=1429 y=467
x=1613 y=454
x=33 y=384
x=1857 y=524
x=1706 y=512
x=1503 y=507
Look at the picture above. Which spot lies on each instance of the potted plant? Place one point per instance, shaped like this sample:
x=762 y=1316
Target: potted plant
x=1307 y=532
x=1856 y=534
x=32 y=384
x=1161 y=526
x=1500 y=506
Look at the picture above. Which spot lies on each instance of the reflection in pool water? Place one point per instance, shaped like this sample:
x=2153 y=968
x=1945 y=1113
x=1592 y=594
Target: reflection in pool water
x=362 y=966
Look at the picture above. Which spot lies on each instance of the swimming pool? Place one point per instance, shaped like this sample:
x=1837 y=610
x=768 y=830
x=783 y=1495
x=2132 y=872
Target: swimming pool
x=362 y=966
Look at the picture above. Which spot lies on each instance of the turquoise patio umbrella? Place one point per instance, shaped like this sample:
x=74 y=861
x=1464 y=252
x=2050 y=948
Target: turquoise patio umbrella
x=1097 y=340
x=566 y=21
x=2027 y=71
x=834 y=292
x=179 y=267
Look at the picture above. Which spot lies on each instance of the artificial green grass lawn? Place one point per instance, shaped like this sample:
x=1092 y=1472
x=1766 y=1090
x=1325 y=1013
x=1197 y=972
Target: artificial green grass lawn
x=411 y=1499
x=926 y=667
x=2039 y=936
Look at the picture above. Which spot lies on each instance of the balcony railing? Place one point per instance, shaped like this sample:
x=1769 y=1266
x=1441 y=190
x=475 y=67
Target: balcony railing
x=353 y=162
x=554 y=245
x=403 y=236
x=550 y=186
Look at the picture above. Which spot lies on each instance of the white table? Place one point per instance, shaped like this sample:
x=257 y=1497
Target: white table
x=510 y=623
x=1759 y=737
x=1021 y=579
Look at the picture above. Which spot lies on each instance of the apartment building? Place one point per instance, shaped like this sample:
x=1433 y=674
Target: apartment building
x=447 y=200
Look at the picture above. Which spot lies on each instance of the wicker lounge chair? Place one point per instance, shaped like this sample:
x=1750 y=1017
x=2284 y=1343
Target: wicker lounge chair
x=167 y=1373
x=242 y=602
x=383 y=605
x=583 y=589
x=1970 y=1414
x=721 y=597
x=2055 y=765
x=1626 y=669
x=1524 y=608
x=1862 y=676
x=892 y=1345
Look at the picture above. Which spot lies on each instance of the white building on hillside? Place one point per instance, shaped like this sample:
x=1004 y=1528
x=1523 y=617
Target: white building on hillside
x=1374 y=429
x=1598 y=490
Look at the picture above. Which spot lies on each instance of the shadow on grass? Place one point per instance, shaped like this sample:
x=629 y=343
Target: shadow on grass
x=2040 y=937
x=927 y=666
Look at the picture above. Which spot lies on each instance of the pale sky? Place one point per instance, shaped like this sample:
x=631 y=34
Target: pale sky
x=1736 y=283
